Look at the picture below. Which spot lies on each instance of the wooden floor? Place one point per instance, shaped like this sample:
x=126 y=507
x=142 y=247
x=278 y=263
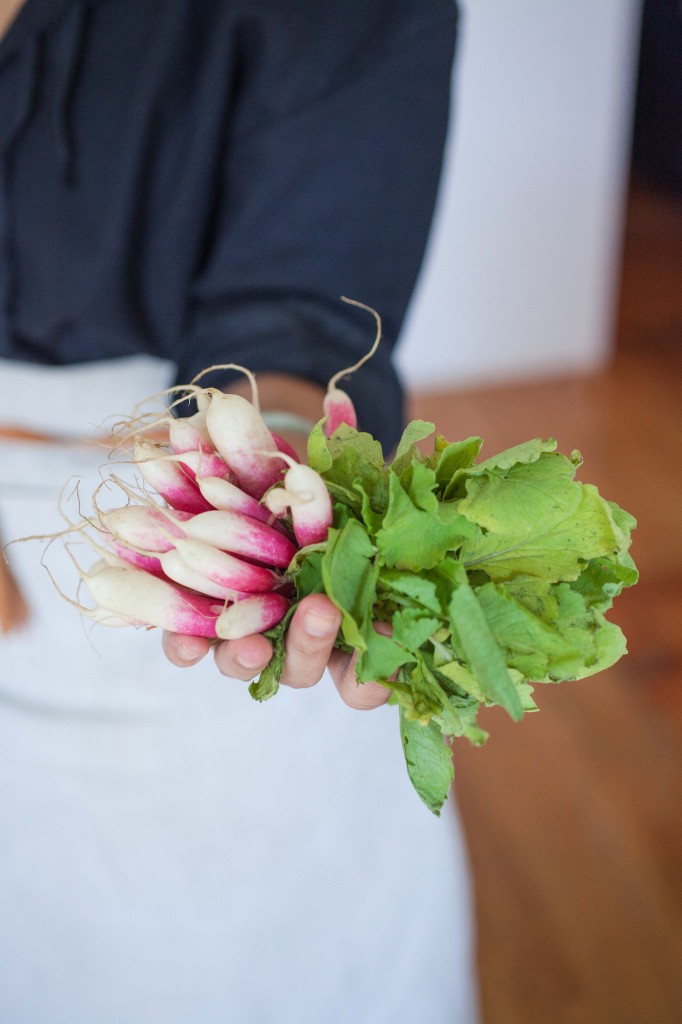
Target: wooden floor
x=574 y=816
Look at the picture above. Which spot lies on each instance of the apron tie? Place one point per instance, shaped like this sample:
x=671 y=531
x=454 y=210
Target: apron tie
x=13 y=608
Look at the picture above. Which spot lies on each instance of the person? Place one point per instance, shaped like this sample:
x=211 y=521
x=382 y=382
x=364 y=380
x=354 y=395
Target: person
x=186 y=184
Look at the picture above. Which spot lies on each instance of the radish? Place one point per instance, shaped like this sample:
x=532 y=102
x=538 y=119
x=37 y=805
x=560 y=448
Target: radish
x=244 y=441
x=178 y=567
x=135 y=558
x=224 y=569
x=167 y=477
x=199 y=463
x=305 y=493
x=338 y=408
x=241 y=535
x=251 y=615
x=139 y=597
x=222 y=494
x=107 y=618
x=285 y=447
x=337 y=405
x=143 y=527
x=189 y=434
x=177 y=570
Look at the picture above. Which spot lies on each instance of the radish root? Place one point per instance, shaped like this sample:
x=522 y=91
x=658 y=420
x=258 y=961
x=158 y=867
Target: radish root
x=368 y=355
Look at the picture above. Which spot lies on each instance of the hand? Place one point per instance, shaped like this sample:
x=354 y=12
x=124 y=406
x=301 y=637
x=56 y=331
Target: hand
x=309 y=650
x=315 y=623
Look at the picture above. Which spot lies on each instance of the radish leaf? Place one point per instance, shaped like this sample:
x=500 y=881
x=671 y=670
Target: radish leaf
x=350 y=575
x=482 y=651
x=429 y=761
x=411 y=538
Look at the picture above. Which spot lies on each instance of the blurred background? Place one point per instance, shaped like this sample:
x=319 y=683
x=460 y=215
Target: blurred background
x=552 y=304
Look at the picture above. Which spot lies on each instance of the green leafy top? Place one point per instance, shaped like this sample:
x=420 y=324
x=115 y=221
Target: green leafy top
x=491 y=573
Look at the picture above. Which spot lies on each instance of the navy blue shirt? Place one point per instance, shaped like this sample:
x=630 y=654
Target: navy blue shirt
x=201 y=180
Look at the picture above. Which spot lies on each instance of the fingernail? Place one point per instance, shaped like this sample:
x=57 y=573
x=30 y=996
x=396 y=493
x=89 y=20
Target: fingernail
x=188 y=653
x=320 y=625
x=249 y=664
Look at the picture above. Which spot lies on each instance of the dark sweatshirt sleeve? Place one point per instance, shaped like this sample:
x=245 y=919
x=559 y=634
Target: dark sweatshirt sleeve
x=327 y=185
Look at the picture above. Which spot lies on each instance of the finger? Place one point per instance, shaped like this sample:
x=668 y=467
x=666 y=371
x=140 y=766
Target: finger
x=310 y=641
x=361 y=696
x=244 y=658
x=184 y=651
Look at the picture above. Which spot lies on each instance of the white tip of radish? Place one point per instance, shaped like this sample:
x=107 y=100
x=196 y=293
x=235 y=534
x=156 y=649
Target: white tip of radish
x=105 y=618
x=223 y=494
x=138 y=597
x=306 y=494
x=176 y=569
x=189 y=433
x=203 y=400
x=278 y=500
x=142 y=527
x=224 y=569
x=252 y=615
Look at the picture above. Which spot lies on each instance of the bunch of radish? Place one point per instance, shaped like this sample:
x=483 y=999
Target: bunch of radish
x=491 y=575
x=202 y=544
x=205 y=554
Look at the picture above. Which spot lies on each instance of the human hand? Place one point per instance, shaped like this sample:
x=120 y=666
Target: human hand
x=309 y=650
x=315 y=623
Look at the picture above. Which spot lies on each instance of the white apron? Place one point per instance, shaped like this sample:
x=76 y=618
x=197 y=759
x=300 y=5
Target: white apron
x=172 y=852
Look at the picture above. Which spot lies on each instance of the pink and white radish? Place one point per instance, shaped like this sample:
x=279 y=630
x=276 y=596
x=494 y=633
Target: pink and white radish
x=251 y=615
x=244 y=441
x=176 y=569
x=222 y=494
x=144 y=528
x=141 y=598
x=167 y=478
x=338 y=408
x=189 y=434
x=148 y=563
x=199 y=463
x=241 y=535
x=210 y=564
x=337 y=405
x=305 y=493
x=224 y=569
x=285 y=447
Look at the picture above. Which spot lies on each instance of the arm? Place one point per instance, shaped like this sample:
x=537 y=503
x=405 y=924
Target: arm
x=324 y=185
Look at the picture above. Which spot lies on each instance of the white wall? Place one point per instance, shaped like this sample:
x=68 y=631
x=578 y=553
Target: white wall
x=520 y=274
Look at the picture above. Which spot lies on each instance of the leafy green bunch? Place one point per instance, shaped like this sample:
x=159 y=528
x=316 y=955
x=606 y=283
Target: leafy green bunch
x=491 y=574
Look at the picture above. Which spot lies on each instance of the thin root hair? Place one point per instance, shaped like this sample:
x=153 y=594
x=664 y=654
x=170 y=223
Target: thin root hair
x=368 y=355
x=251 y=377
